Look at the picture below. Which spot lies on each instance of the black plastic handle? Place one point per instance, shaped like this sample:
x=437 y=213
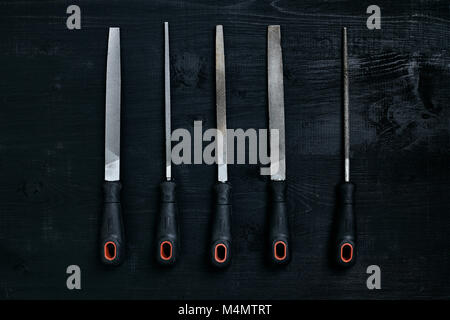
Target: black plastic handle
x=221 y=230
x=112 y=238
x=346 y=228
x=278 y=224
x=167 y=234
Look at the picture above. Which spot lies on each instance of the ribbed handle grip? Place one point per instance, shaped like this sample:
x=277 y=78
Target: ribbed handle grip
x=167 y=234
x=345 y=250
x=280 y=251
x=112 y=238
x=221 y=232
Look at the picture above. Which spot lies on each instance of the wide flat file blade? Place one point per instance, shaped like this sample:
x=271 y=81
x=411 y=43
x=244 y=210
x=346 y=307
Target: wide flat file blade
x=167 y=101
x=221 y=110
x=276 y=103
x=112 y=118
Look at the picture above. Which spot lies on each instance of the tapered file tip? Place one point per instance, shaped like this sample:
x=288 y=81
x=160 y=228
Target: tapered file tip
x=274 y=27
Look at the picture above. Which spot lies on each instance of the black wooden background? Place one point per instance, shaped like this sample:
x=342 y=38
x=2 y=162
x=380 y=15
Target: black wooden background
x=52 y=95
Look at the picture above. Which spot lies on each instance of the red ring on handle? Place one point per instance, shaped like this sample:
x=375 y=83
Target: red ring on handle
x=165 y=250
x=345 y=257
x=220 y=257
x=110 y=250
x=276 y=248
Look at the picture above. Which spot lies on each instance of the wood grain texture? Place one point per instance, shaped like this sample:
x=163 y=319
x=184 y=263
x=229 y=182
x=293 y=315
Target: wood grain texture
x=52 y=88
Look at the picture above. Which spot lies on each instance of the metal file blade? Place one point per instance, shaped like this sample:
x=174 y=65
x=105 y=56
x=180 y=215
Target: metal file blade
x=221 y=107
x=276 y=103
x=112 y=118
x=167 y=101
x=346 y=106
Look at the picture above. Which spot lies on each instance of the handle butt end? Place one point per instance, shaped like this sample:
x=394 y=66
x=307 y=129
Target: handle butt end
x=280 y=252
x=345 y=253
x=110 y=250
x=167 y=252
x=221 y=254
x=112 y=253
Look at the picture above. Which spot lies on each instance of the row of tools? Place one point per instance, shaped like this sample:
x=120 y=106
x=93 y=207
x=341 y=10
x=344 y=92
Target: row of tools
x=112 y=239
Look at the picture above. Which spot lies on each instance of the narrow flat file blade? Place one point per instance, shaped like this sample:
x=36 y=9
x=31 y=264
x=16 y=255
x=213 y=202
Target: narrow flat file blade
x=112 y=119
x=167 y=102
x=276 y=103
x=346 y=106
x=221 y=107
